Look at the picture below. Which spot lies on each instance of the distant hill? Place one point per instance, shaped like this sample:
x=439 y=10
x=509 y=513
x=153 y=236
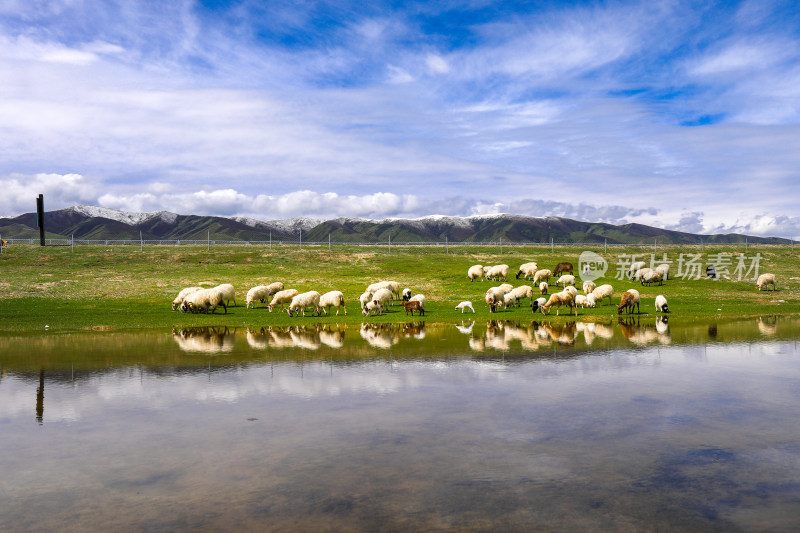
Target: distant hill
x=89 y=222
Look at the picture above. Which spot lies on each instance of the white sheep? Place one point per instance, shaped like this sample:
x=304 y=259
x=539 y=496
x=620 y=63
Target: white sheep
x=661 y=304
x=371 y=308
x=282 y=298
x=418 y=298
x=588 y=286
x=203 y=300
x=635 y=266
x=475 y=272
x=523 y=291
x=332 y=299
x=393 y=286
x=303 y=300
x=383 y=297
x=509 y=300
x=365 y=298
x=571 y=289
x=590 y=301
x=602 y=292
x=406 y=294
x=543 y=287
x=176 y=303
x=537 y=304
x=652 y=276
x=498 y=272
x=228 y=292
x=527 y=270
x=566 y=279
x=640 y=273
x=559 y=299
x=580 y=300
x=494 y=297
x=542 y=275
x=256 y=294
x=664 y=269
x=765 y=279
x=506 y=287
x=465 y=305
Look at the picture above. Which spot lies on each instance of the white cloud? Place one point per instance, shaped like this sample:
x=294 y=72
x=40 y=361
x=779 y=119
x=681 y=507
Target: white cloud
x=59 y=190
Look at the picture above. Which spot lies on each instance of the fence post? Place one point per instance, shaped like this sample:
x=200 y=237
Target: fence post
x=141 y=242
x=501 y=246
x=446 y=245
x=390 y=244
x=745 y=244
x=270 y=240
x=208 y=241
x=655 y=244
x=301 y=238
x=552 y=245
x=605 y=245
x=329 y=242
x=72 y=239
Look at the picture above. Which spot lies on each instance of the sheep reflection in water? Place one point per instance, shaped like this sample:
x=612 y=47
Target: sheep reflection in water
x=205 y=339
x=387 y=335
x=642 y=335
x=307 y=337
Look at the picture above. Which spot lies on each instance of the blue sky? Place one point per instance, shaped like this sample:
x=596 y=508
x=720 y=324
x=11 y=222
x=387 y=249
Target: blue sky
x=677 y=114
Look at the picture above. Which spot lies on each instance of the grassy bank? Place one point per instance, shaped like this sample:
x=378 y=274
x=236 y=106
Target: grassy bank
x=105 y=287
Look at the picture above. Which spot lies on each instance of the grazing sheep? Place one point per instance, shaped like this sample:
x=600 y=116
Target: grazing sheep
x=203 y=300
x=664 y=269
x=475 y=272
x=629 y=300
x=332 y=299
x=634 y=267
x=406 y=294
x=465 y=305
x=506 y=287
x=418 y=298
x=559 y=299
x=537 y=304
x=571 y=289
x=498 y=272
x=523 y=291
x=588 y=286
x=639 y=274
x=765 y=279
x=494 y=297
x=370 y=308
x=383 y=297
x=393 y=286
x=256 y=294
x=542 y=275
x=303 y=300
x=661 y=304
x=509 y=300
x=364 y=298
x=527 y=270
x=176 y=303
x=603 y=291
x=566 y=279
x=590 y=301
x=652 y=276
x=562 y=267
x=580 y=300
x=282 y=298
x=228 y=292
x=543 y=287
x=414 y=305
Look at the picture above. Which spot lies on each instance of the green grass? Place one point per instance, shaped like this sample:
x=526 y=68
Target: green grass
x=119 y=287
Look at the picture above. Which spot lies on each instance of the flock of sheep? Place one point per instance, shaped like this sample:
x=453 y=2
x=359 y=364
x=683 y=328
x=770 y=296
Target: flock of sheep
x=379 y=296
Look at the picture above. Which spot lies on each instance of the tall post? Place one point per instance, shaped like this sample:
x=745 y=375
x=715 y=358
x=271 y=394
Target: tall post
x=390 y=244
x=745 y=244
x=552 y=245
x=40 y=217
x=1 y=244
x=446 y=245
x=208 y=241
x=72 y=240
x=141 y=242
x=501 y=246
x=270 y=240
x=301 y=238
x=655 y=244
x=605 y=245
x=329 y=242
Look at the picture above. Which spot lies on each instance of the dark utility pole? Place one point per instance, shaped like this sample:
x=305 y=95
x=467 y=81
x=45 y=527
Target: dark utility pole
x=40 y=217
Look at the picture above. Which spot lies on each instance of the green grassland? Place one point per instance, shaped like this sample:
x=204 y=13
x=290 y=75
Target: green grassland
x=122 y=287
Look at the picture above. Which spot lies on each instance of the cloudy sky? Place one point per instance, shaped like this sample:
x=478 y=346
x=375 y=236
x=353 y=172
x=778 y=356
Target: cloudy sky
x=678 y=114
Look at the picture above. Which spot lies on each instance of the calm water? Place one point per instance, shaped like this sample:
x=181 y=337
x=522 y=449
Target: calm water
x=501 y=426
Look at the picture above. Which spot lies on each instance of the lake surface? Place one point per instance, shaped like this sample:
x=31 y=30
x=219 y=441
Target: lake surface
x=498 y=426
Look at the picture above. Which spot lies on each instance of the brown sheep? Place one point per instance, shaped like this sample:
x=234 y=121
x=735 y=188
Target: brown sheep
x=414 y=305
x=630 y=299
x=558 y=299
x=562 y=267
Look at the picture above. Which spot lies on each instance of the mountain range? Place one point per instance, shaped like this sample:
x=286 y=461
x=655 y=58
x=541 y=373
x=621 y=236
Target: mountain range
x=91 y=222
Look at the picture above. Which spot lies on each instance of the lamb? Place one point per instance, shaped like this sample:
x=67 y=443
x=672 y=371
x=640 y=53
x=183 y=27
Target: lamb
x=406 y=294
x=566 y=279
x=282 y=298
x=562 y=267
x=602 y=292
x=523 y=291
x=364 y=298
x=629 y=300
x=494 y=297
x=661 y=304
x=537 y=304
x=527 y=270
x=652 y=276
x=543 y=287
x=498 y=272
x=588 y=286
x=303 y=300
x=228 y=293
x=590 y=301
x=203 y=300
x=332 y=299
x=558 y=299
x=664 y=269
x=765 y=279
x=465 y=305
x=383 y=297
x=414 y=305
x=542 y=275
x=509 y=300
x=176 y=303
x=371 y=308
x=419 y=298
x=475 y=272
x=635 y=266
